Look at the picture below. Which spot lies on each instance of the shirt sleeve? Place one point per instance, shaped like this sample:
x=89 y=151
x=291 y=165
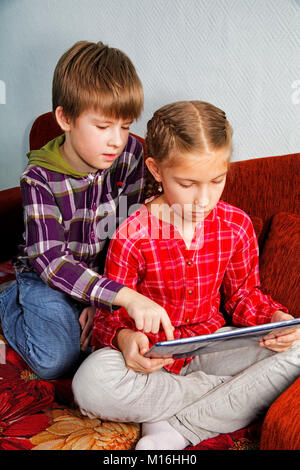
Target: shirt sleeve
x=49 y=255
x=244 y=300
x=123 y=264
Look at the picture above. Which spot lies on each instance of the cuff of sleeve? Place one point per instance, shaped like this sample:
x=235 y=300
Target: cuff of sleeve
x=112 y=342
x=266 y=317
x=103 y=296
x=276 y=306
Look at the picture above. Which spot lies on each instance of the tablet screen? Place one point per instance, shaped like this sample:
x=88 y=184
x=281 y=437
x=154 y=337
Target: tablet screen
x=219 y=341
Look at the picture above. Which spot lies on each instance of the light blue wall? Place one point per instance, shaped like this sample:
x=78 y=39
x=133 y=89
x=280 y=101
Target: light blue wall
x=242 y=55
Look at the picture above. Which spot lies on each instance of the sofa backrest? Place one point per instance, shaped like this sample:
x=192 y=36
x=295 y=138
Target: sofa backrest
x=265 y=186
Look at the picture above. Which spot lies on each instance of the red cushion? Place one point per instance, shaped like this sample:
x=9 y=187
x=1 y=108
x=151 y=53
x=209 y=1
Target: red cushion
x=44 y=129
x=281 y=427
x=257 y=225
x=279 y=265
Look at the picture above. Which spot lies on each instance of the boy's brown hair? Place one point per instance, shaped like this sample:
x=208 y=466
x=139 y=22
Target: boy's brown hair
x=95 y=76
x=185 y=127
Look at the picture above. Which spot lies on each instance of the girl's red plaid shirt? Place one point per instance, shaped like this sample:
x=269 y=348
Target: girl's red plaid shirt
x=150 y=256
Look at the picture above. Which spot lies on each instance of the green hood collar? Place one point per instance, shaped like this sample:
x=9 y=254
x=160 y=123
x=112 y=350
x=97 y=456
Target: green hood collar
x=50 y=157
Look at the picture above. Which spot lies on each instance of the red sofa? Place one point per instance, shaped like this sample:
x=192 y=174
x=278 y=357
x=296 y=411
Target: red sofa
x=268 y=190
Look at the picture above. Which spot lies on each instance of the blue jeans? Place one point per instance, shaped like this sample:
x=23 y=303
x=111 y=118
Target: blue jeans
x=41 y=324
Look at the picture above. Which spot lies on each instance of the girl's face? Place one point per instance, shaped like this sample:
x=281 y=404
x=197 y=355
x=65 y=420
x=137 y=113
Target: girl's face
x=192 y=183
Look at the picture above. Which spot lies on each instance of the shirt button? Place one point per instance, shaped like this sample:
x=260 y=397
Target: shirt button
x=92 y=236
x=189 y=263
x=94 y=207
x=190 y=291
x=187 y=320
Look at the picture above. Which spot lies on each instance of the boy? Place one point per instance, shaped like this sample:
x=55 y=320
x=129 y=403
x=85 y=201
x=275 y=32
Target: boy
x=72 y=189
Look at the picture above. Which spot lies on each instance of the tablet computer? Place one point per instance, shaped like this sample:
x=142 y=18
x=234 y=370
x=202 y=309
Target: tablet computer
x=219 y=341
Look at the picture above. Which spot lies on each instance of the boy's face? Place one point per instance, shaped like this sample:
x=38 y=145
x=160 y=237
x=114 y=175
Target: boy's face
x=193 y=184
x=93 y=142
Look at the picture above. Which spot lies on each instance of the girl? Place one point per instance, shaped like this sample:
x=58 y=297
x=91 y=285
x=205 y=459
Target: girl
x=179 y=249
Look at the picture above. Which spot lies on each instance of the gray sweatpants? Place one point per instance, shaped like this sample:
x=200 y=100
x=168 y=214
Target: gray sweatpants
x=216 y=393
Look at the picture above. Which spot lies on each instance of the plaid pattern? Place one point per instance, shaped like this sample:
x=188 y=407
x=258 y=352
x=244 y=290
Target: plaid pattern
x=69 y=220
x=150 y=256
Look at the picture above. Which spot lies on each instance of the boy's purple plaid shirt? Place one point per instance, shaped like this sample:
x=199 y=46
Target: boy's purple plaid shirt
x=69 y=220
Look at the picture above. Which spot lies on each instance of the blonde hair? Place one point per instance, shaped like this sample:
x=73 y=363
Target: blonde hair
x=94 y=76
x=185 y=127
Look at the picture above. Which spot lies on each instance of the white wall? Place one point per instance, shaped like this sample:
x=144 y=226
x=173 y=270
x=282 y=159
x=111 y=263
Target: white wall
x=241 y=55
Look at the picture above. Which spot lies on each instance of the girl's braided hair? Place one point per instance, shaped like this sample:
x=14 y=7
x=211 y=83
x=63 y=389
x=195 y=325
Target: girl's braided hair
x=184 y=127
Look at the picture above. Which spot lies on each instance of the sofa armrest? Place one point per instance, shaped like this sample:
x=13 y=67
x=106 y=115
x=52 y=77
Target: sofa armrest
x=11 y=222
x=281 y=426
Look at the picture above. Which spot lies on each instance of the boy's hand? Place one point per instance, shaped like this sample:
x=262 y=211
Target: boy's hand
x=86 y=323
x=133 y=345
x=147 y=314
x=281 y=340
